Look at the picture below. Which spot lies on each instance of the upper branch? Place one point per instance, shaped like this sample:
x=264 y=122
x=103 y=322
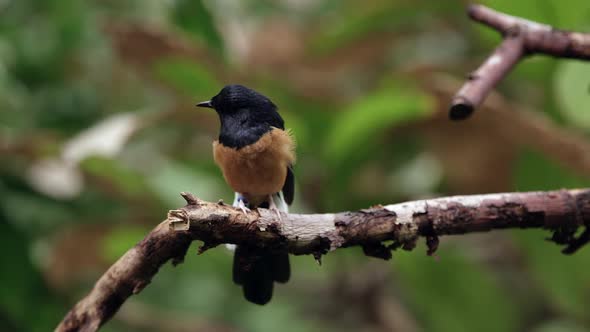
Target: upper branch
x=214 y=223
x=521 y=37
x=538 y=38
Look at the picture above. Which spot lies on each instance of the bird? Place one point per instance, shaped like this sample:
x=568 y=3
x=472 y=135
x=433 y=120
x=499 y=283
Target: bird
x=256 y=155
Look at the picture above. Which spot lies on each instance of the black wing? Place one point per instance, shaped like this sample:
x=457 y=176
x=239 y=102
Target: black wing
x=273 y=118
x=289 y=186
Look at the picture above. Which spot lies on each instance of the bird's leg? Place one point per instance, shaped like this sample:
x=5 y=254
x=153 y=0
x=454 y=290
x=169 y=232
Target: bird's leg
x=242 y=204
x=273 y=207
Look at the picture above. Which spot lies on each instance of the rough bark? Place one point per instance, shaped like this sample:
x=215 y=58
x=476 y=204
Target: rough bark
x=521 y=38
x=401 y=225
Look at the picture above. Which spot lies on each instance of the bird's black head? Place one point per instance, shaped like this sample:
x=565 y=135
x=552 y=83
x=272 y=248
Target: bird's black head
x=245 y=115
x=235 y=97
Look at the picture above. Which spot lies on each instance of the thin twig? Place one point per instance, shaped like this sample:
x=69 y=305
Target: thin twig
x=528 y=128
x=521 y=37
x=485 y=78
x=562 y=212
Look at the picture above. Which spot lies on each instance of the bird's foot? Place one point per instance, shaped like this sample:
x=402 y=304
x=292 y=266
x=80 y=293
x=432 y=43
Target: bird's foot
x=242 y=206
x=273 y=207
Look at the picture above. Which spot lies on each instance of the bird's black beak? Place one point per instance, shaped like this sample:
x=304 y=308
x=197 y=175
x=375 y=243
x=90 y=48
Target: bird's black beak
x=205 y=104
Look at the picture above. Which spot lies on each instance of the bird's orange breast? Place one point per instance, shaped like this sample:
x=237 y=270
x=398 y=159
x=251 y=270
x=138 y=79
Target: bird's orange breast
x=258 y=169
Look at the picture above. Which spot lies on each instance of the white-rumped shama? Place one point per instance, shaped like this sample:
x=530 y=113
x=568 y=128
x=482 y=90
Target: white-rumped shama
x=256 y=155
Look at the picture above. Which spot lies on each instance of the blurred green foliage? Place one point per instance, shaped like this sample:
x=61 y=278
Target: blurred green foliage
x=440 y=289
x=354 y=81
x=186 y=76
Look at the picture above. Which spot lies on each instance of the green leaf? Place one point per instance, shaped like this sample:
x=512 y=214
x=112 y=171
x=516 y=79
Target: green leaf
x=454 y=293
x=360 y=124
x=572 y=90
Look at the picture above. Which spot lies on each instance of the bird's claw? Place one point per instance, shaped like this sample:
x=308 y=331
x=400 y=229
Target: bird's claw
x=243 y=206
x=273 y=207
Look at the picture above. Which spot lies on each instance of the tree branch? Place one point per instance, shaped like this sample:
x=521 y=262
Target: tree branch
x=521 y=37
x=562 y=212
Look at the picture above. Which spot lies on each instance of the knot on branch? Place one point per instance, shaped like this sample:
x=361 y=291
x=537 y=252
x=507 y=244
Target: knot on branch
x=566 y=235
x=178 y=220
x=514 y=31
x=378 y=250
x=189 y=198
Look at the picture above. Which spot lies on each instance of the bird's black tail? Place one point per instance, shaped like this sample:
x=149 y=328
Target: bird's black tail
x=256 y=270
